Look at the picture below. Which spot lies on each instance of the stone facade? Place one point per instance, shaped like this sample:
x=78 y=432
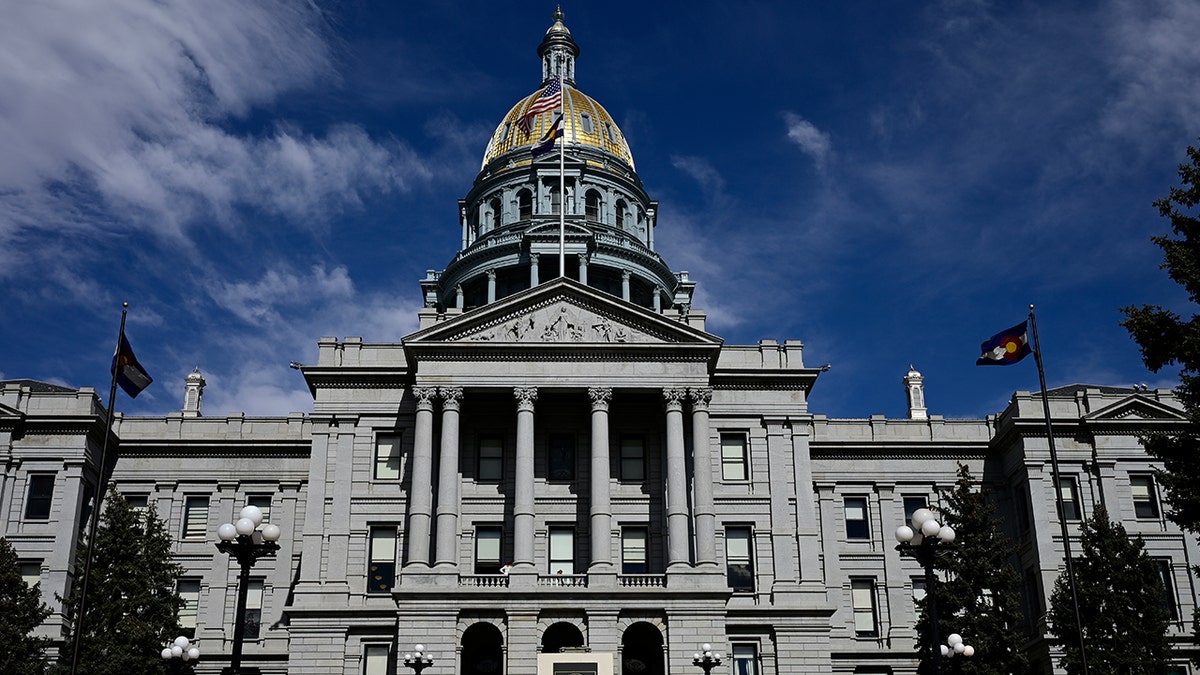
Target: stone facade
x=565 y=462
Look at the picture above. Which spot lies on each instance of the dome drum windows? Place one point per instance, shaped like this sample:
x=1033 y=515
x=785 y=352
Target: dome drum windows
x=525 y=205
x=592 y=206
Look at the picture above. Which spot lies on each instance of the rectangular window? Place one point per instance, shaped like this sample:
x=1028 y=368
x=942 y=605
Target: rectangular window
x=31 y=572
x=387 y=457
x=263 y=502
x=857 y=526
x=375 y=659
x=381 y=568
x=1145 y=497
x=738 y=562
x=1168 y=588
x=189 y=592
x=195 y=517
x=1031 y=590
x=733 y=457
x=745 y=659
x=139 y=503
x=1021 y=498
x=633 y=460
x=562 y=550
x=1068 y=502
x=488 y=539
x=562 y=457
x=89 y=502
x=633 y=550
x=40 y=497
x=911 y=504
x=254 y=608
x=491 y=459
x=918 y=596
x=862 y=596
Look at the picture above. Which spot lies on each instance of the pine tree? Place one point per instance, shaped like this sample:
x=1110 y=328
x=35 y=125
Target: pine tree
x=132 y=605
x=21 y=612
x=1120 y=605
x=978 y=589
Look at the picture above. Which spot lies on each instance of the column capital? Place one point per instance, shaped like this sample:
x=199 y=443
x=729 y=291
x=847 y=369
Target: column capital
x=674 y=398
x=600 y=397
x=491 y=274
x=424 y=396
x=525 y=397
x=700 y=397
x=451 y=396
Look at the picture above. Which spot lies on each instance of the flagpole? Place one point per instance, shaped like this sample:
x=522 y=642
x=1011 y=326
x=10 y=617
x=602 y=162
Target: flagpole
x=562 y=191
x=1062 y=520
x=94 y=519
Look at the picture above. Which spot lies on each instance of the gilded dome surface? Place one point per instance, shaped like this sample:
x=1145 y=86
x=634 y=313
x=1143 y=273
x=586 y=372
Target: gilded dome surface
x=587 y=123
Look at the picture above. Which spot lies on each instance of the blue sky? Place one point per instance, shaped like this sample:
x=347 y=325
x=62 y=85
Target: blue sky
x=889 y=182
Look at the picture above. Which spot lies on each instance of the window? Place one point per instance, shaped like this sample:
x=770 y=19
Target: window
x=488 y=539
x=254 y=607
x=139 y=503
x=911 y=504
x=745 y=659
x=1021 y=498
x=195 y=518
x=555 y=201
x=381 y=568
x=562 y=457
x=263 y=502
x=633 y=460
x=621 y=214
x=31 y=572
x=525 y=204
x=918 y=596
x=494 y=206
x=41 y=494
x=491 y=459
x=562 y=550
x=504 y=132
x=1168 y=588
x=862 y=598
x=387 y=457
x=1145 y=498
x=189 y=592
x=1068 y=501
x=733 y=457
x=857 y=526
x=585 y=121
x=89 y=502
x=1032 y=594
x=608 y=129
x=375 y=659
x=633 y=550
x=592 y=206
x=739 y=565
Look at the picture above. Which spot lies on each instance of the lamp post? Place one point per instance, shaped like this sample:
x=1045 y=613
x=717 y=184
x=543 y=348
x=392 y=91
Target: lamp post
x=183 y=649
x=246 y=543
x=418 y=660
x=925 y=541
x=706 y=659
x=956 y=647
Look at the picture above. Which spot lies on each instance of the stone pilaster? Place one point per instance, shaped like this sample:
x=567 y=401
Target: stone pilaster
x=448 y=479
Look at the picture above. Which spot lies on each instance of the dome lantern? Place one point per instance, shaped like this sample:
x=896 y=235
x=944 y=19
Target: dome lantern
x=558 y=52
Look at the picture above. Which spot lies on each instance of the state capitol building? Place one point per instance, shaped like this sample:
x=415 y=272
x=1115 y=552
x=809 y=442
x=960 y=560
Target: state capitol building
x=562 y=466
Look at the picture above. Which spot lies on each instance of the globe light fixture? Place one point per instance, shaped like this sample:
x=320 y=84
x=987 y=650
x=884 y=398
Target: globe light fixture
x=706 y=659
x=181 y=648
x=924 y=541
x=245 y=542
x=418 y=659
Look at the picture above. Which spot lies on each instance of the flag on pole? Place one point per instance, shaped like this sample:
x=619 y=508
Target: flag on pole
x=546 y=142
x=549 y=99
x=1006 y=347
x=130 y=374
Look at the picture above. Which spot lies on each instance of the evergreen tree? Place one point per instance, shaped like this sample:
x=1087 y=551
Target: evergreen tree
x=978 y=589
x=1120 y=605
x=21 y=612
x=132 y=607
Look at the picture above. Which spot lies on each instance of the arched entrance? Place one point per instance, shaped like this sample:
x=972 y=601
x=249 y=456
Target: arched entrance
x=642 y=650
x=482 y=650
x=559 y=635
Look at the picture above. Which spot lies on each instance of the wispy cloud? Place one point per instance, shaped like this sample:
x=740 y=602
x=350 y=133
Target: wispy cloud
x=811 y=140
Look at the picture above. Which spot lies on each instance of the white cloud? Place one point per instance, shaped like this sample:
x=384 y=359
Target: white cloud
x=258 y=301
x=703 y=172
x=811 y=140
x=124 y=106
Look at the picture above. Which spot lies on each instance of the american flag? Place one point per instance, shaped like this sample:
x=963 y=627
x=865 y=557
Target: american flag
x=549 y=99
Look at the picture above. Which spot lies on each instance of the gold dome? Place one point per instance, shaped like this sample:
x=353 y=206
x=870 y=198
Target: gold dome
x=587 y=123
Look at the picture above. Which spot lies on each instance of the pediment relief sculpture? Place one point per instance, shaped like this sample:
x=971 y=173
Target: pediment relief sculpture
x=557 y=323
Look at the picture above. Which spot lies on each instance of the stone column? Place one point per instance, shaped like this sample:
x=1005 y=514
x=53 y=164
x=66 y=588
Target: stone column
x=458 y=296
x=523 y=500
x=625 y=285
x=702 y=476
x=677 y=511
x=491 y=277
x=583 y=265
x=601 y=503
x=533 y=270
x=448 y=479
x=420 y=497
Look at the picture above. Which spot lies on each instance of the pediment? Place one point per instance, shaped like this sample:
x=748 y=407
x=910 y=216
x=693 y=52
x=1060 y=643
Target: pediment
x=562 y=312
x=1136 y=408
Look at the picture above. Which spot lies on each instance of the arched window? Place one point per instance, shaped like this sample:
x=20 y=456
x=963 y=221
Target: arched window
x=559 y=635
x=642 y=650
x=592 y=212
x=555 y=201
x=495 y=206
x=525 y=204
x=621 y=207
x=482 y=650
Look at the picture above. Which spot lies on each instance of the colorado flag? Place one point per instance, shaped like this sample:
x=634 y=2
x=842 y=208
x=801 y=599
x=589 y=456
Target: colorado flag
x=1006 y=347
x=129 y=373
